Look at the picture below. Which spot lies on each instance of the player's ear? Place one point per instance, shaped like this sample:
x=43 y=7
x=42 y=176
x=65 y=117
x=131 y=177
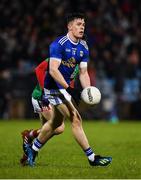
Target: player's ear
x=70 y=26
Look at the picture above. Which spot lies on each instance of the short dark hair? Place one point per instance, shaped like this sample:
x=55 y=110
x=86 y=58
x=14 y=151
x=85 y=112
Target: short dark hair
x=75 y=15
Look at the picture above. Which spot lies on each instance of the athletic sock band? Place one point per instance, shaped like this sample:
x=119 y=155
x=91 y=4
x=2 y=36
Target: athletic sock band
x=88 y=151
x=37 y=145
x=90 y=154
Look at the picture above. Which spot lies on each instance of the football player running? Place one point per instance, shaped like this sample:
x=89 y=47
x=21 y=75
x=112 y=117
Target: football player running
x=66 y=52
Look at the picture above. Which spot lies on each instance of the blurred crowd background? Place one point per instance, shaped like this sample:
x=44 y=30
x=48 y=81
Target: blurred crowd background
x=113 y=32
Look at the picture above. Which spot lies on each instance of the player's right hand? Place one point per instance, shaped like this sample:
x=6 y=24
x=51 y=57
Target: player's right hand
x=75 y=93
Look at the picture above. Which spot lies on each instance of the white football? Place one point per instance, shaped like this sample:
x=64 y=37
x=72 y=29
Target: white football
x=91 y=95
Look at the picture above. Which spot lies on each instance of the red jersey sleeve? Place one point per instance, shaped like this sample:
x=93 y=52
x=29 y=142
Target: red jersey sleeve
x=40 y=71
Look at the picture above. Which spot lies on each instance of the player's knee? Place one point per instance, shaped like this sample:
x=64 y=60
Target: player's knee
x=46 y=126
x=60 y=129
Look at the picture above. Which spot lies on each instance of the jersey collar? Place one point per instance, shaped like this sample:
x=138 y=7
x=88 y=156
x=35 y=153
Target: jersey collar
x=75 y=43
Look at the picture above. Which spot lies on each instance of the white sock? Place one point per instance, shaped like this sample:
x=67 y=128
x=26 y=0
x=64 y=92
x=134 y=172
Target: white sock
x=89 y=153
x=91 y=157
x=37 y=145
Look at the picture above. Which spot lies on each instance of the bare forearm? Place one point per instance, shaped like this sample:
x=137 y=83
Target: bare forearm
x=85 y=80
x=57 y=76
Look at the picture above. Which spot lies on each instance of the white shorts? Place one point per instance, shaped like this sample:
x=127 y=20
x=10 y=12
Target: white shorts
x=36 y=105
x=57 y=97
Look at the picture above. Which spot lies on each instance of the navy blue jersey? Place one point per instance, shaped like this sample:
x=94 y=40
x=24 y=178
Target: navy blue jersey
x=69 y=54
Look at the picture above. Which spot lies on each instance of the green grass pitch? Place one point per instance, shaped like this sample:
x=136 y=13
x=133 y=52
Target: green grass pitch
x=62 y=158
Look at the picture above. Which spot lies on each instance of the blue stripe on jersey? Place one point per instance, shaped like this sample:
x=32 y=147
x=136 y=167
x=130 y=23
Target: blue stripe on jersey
x=63 y=39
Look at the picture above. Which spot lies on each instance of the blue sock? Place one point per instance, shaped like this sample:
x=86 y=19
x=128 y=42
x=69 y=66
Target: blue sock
x=37 y=145
x=90 y=154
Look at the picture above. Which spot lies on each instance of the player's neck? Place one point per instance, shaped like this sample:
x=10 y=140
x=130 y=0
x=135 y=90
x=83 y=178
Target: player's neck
x=72 y=38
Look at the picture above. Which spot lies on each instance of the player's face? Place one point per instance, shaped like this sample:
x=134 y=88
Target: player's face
x=77 y=28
